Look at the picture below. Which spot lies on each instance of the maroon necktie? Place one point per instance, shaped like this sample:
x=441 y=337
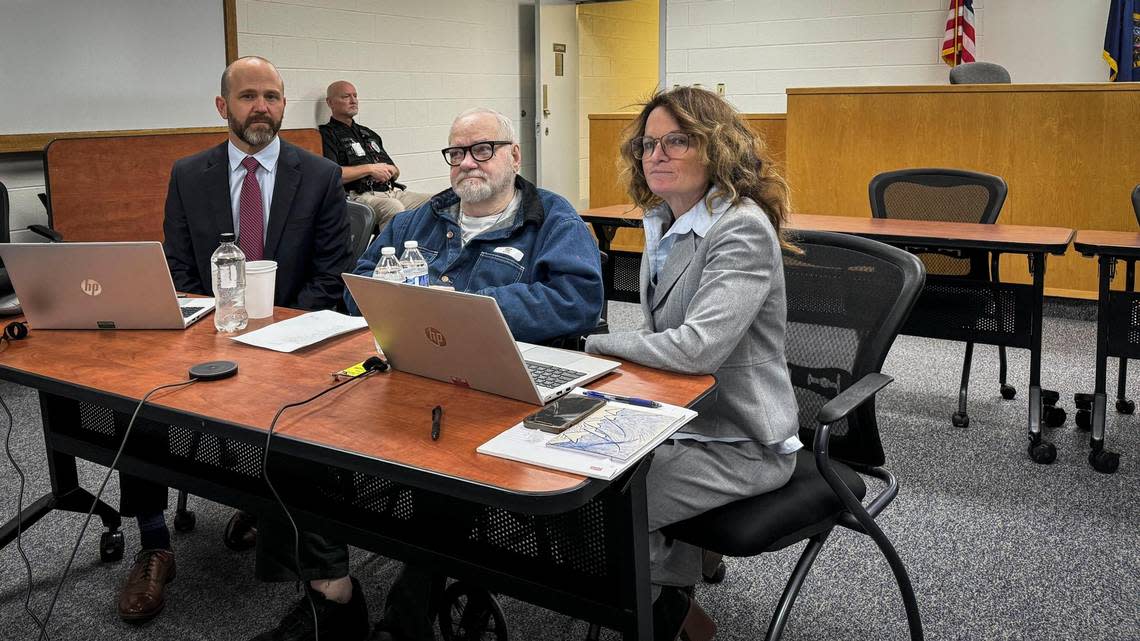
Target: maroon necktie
x=251 y=212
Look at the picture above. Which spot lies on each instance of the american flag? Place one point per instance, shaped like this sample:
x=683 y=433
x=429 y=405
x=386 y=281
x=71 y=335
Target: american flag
x=958 y=45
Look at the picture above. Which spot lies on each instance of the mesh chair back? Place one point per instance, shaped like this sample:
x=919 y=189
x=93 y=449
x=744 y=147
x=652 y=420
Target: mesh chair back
x=5 y=234
x=979 y=73
x=847 y=299
x=361 y=220
x=947 y=195
x=1135 y=203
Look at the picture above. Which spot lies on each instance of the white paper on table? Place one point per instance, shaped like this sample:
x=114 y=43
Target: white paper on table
x=302 y=331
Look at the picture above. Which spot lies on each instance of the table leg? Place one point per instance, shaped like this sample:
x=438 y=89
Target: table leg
x=636 y=574
x=1040 y=450
x=1101 y=459
x=65 y=491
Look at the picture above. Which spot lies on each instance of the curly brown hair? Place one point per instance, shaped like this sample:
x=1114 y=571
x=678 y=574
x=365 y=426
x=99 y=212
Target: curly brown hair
x=736 y=157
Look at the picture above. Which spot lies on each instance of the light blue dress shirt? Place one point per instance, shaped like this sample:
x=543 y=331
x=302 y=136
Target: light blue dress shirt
x=266 y=178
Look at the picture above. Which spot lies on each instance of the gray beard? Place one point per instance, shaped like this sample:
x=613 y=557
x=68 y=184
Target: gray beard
x=477 y=192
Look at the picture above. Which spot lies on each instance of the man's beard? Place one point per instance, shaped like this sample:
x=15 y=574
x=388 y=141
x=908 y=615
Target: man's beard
x=254 y=137
x=478 y=191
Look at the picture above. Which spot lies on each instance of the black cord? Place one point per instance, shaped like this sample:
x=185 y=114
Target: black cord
x=281 y=502
x=99 y=495
x=20 y=520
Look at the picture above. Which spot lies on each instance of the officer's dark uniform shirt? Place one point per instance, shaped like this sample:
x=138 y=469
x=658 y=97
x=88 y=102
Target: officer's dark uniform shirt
x=355 y=145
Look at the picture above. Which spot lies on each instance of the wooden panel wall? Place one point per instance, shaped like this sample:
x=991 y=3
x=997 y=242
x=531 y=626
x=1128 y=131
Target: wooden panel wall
x=114 y=188
x=1068 y=153
x=606 y=133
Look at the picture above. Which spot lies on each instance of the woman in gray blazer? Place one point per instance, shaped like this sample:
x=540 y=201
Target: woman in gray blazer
x=712 y=297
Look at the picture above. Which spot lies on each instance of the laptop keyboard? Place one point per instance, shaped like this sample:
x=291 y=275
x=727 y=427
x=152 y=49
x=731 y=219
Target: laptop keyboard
x=551 y=376
x=190 y=310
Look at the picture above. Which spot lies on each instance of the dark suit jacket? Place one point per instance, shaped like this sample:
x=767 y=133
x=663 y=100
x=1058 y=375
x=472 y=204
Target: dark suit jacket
x=308 y=232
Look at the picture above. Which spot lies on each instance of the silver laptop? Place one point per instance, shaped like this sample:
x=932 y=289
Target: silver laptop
x=463 y=339
x=98 y=286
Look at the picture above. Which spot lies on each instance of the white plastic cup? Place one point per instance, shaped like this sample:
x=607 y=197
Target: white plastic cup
x=260 y=279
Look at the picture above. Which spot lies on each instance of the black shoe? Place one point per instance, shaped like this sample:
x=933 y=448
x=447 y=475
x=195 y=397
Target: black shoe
x=339 y=621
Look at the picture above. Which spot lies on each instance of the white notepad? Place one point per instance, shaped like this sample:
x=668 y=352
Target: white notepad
x=301 y=331
x=525 y=445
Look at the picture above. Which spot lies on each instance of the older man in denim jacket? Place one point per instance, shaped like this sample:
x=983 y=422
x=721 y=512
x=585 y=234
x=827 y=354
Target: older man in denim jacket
x=495 y=233
x=492 y=233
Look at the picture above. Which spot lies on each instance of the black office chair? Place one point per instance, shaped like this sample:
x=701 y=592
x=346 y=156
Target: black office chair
x=361 y=221
x=847 y=299
x=5 y=237
x=1124 y=405
x=953 y=195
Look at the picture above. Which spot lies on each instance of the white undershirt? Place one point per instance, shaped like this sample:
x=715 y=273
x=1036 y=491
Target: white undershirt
x=472 y=226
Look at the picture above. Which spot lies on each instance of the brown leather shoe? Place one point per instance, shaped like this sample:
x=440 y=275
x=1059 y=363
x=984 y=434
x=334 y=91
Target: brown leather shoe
x=142 y=596
x=241 y=532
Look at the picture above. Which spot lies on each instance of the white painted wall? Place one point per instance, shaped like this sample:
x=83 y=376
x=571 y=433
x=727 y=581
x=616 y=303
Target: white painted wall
x=759 y=48
x=415 y=63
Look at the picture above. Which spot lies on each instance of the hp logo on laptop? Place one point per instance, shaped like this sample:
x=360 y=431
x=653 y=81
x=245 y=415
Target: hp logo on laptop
x=435 y=336
x=91 y=287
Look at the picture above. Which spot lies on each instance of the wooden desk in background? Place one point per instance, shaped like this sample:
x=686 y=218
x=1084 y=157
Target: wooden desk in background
x=993 y=313
x=358 y=464
x=1062 y=148
x=1117 y=334
x=114 y=188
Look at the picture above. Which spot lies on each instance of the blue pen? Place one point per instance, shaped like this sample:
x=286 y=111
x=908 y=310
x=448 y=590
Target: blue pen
x=629 y=400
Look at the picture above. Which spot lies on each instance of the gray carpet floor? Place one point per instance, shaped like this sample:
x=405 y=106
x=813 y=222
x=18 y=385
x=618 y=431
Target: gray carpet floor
x=998 y=547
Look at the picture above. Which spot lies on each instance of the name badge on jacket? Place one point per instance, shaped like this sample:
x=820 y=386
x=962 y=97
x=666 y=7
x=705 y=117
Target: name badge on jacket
x=356 y=148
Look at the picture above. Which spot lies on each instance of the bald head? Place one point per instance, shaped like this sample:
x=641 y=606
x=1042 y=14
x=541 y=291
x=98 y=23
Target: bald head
x=255 y=64
x=342 y=101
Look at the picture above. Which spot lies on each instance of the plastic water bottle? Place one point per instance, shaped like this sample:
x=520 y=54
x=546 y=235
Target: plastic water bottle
x=228 y=267
x=389 y=268
x=415 y=267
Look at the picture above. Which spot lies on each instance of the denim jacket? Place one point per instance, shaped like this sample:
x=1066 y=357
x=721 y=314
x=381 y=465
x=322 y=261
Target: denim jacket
x=543 y=270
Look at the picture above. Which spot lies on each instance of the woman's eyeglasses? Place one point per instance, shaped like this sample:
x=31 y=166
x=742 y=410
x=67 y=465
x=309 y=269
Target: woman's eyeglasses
x=480 y=151
x=673 y=144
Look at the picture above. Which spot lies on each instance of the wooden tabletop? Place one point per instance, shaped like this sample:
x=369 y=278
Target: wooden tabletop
x=1125 y=244
x=614 y=213
x=386 y=417
x=1011 y=238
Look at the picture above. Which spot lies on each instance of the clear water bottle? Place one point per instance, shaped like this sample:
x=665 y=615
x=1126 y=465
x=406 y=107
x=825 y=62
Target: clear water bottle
x=414 y=265
x=389 y=267
x=228 y=267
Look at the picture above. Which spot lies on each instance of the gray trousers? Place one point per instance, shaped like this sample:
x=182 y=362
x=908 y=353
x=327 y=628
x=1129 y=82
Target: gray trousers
x=687 y=478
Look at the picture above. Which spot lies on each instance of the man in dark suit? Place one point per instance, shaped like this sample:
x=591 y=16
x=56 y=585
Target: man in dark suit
x=285 y=204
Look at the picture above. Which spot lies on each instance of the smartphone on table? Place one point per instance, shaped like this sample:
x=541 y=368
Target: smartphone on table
x=563 y=413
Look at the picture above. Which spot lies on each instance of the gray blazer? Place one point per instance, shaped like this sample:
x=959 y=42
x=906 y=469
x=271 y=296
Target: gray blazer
x=719 y=308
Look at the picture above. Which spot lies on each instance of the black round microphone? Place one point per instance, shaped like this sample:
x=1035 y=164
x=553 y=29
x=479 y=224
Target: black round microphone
x=375 y=364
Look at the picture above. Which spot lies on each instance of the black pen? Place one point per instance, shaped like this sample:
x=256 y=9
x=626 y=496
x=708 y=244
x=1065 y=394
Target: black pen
x=436 y=415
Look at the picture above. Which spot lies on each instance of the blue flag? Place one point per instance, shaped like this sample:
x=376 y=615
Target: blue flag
x=1122 y=41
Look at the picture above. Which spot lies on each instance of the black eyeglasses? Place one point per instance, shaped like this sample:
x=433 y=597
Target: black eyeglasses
x=674 y=143
x=480 y=151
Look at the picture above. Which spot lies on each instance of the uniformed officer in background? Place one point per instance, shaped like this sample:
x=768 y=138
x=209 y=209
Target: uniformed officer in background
x=368 y=173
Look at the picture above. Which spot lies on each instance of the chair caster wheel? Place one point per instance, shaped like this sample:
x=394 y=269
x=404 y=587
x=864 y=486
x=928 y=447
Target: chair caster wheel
x=185 y=521
x=1125 y=406
x=1104 y=461
x=1084 y=420
x=1050 y=397
x=1008 y=392
x=1042 y=452
x=470 y=613
x=717 y=575
x=1054 y=416
x=960 y=420
x=111 y=546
